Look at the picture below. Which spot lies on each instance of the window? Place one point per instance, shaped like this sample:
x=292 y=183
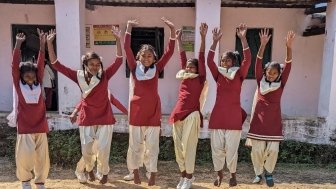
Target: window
x=152 y=36
x=253 y=40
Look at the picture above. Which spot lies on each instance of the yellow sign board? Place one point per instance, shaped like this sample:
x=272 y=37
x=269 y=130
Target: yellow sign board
x=102 y=35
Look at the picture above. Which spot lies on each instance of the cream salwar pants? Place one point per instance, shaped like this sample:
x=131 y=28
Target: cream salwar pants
x=96 y=145
x=31 y=154
x=185 y=135
x=143 y=147
x=264 y=154
x=224 y=147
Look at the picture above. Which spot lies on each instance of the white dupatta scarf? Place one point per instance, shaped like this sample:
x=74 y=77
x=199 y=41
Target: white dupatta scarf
x=182 y=74
x=228 y=73
x=140 y=72
x=267 y=87
x=87 y=88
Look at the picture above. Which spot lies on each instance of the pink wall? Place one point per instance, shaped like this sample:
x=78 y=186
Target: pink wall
x=301 y=94
x=168 y=86
x=16 y=14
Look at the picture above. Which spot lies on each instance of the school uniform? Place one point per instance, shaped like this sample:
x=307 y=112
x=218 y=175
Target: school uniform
x=95 y=117
x=266 y=124
x=31 y=153
x=227 y=115
x=186 y=116
x=145 y=110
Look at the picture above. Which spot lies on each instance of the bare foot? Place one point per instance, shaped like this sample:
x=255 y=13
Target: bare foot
x=218 y=181
x=91 y=176
x=136 y=176
x=233 y=180
x=103 y=180
x=151 y=181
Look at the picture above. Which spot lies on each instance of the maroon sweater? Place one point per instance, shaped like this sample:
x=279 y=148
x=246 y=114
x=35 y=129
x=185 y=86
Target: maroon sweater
x=96 y=108
x=31 y=118
x=266 y=121
x=190 y=91
x=227 y=112
x=145 y=105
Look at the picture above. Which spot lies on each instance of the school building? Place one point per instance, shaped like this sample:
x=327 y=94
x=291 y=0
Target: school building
x=309 y=99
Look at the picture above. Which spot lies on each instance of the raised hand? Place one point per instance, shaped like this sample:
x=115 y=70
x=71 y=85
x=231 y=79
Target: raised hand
x=216 y=34
x=203 y=29
x=132 y=22
x=178 y=34
x=168 y=23
x=264 y=36
x=20 y=37
x=116 y=32
x=42 y=36
x=241 y=31
x=171 y=27
x=51 y=35
x=289 y=39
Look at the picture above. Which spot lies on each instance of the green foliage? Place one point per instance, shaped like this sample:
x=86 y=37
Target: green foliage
x=300 y=152
x=64 y=147
x=203 y=154
x=167 y=152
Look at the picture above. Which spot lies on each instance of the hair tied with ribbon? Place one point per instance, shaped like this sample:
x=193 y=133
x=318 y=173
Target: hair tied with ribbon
x=83 y=58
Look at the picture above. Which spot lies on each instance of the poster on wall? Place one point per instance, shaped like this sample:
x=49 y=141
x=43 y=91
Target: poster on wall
x=102 y=35
x=188 y=38
x=87 y=36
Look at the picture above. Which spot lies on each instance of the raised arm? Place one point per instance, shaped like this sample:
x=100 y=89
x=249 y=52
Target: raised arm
x=20 y=38
x=183 y=56
x=131 y=62
x=170 y=48
x=264 y=38
x=289 y=42
x=112 y=69
x=71 y=74
x=41 y=56
x=245 y=65
x=216 y=36
x=51 y=51
x=201 y=58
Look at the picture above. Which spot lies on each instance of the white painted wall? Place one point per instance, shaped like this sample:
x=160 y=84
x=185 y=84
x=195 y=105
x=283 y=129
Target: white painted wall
x=16 y=14
x=301 y=93
x=70 y=40
x=204 y=8
x=327 y=91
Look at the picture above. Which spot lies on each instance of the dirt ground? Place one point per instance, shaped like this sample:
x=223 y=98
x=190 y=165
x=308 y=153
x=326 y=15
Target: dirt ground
x=286 y=176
